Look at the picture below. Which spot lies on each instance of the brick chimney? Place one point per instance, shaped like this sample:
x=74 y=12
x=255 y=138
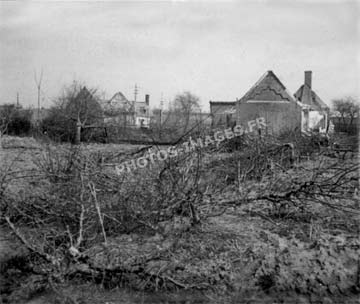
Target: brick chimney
x=308 y=78
x=147 y=99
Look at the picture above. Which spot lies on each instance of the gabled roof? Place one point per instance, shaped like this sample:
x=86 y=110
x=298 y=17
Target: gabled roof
x=268 y=88
x=117 y=103
x=307 y=96
x=118 y=97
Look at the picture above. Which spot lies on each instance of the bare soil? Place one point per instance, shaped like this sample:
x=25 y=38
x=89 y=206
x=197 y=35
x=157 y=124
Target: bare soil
x=237 y=256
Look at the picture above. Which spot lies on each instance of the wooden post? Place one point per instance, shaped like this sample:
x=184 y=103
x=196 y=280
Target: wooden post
x=78 y=133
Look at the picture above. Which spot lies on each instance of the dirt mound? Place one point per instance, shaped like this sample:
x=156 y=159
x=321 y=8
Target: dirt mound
x=328 y=266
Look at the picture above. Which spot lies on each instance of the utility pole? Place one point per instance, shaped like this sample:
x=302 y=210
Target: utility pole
x=38 y=85
x=136 y=90
x=161 y=106
x=17 y=100
x=161 y=110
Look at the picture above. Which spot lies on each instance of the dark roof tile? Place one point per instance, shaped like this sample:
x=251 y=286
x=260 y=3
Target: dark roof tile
x=268 y=88
x=307 y=96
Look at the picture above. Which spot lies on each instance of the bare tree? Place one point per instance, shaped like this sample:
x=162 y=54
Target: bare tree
x=77 y=108
x=184 y=105
x=348 y=108
x=7 y=112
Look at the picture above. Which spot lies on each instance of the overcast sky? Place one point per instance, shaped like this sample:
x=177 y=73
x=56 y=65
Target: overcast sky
x=215 y=50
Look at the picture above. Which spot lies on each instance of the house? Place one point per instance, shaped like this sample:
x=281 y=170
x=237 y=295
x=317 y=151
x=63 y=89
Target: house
x=142 y=112
x=268 y=98
x=175 y=119
x=120 y=111
x=316 y=113
x=223 y=113
x=116 y=104
x=283 y=112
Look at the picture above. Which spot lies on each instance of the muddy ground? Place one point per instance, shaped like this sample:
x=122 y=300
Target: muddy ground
x=237 y=256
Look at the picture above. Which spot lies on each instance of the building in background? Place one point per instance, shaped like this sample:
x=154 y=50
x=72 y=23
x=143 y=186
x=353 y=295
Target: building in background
x=270 y=99
x=283 y=112
x=120 y=111
x=223 y=113
x=142 y=112
x=174 y=119
x=316 y=113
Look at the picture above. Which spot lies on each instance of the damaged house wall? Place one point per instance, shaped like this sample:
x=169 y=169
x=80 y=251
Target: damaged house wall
x=315 y=113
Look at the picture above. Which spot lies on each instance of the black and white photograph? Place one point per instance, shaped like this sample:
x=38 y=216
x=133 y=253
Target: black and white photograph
x=179 y=152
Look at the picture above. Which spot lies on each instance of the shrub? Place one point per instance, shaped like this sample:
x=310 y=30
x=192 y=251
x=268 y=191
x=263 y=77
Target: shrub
x=20 y=124
x=14 y=120
x=58 y=127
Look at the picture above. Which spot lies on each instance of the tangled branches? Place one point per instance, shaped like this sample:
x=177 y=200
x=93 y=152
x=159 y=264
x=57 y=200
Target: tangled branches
x=85 y=203
x=79 y=220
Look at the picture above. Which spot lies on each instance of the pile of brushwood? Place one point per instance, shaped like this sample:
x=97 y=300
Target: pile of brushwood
x=156 y=228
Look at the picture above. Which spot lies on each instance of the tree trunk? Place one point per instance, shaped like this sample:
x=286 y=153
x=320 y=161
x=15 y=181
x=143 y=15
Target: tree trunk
x=78 y=133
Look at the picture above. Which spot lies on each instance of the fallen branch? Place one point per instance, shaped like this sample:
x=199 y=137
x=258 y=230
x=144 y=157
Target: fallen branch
x=23 y=240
